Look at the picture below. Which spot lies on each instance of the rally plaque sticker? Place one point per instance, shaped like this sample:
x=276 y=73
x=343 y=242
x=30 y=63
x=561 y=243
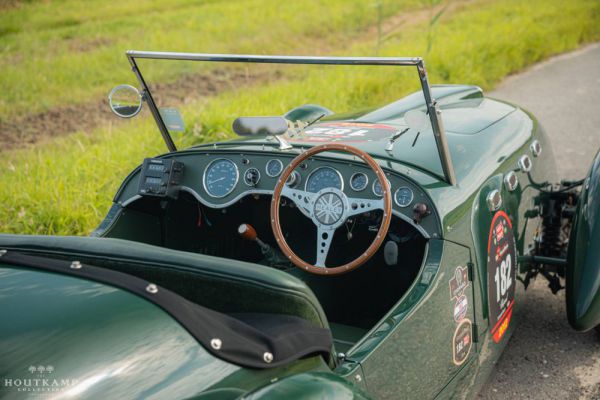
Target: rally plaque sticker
x=502 y=273
x=462 y=342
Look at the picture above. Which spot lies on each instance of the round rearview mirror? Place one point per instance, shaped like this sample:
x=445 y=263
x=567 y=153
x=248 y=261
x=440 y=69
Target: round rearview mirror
x=125 y=101
x=416 y=119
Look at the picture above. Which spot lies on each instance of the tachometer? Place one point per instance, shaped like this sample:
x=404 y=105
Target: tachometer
x=403 y=197
x=359 y=181
x=220 y=177
x=324 y=177
x=274 y=167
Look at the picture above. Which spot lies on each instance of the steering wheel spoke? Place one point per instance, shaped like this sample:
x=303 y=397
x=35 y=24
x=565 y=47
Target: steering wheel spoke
x=302 y=199
x=324 y=238
x=359 y=206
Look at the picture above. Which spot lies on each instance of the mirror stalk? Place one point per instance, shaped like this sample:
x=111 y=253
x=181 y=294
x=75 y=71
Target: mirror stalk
x=283 y=144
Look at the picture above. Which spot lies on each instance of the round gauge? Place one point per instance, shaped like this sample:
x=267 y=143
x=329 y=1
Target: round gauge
x=274 y=167
x=251 y=176
x=294 y=179
x=359 y=181
x=403 y=197
x=324 y=177
x=220 y=177
x=377 y=190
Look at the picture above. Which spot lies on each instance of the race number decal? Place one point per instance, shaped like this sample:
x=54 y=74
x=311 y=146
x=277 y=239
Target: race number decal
x=502 y=274
x=345 y=132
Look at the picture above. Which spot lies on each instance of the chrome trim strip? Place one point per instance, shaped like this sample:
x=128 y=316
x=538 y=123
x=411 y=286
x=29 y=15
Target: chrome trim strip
x=269 y=192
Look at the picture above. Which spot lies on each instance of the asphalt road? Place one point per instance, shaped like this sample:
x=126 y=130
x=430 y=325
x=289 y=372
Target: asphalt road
x=545 y=358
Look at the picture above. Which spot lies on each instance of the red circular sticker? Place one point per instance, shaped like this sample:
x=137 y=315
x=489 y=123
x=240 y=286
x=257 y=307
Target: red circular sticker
x=502 y=274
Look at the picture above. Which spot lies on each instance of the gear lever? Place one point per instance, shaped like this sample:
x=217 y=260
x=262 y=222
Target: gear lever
x=248 y=232
x=272 y=258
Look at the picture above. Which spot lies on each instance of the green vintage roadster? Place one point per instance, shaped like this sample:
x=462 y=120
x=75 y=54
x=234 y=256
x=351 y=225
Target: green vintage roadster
x=376 y=254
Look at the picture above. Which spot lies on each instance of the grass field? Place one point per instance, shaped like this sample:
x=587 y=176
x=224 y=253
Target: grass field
x=66 y=186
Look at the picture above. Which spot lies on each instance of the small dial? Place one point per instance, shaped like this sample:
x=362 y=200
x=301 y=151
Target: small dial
x=359 y=181
x=274 y=167
x=377 y=190
x=294 y=179
x=403 y=197
x=251 y=177
x=220 y=177
x=324 y=177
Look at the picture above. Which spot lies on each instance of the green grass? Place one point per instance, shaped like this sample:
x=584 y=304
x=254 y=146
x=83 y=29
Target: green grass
x=66 y=52
x=66 y=187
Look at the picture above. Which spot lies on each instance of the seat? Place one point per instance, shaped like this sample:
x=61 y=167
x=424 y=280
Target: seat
x=224 y=285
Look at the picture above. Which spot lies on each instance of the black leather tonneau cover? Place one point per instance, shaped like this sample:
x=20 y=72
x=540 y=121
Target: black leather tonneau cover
x=251 y=340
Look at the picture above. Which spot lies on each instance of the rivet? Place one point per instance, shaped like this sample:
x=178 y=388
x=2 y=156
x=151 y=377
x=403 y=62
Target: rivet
x=2 y=252
x=268 y=357
x=75 y=265
x=216 y=343
x=152 y=288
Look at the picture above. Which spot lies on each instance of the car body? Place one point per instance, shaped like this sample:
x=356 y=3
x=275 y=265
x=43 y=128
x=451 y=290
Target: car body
x=185 y=290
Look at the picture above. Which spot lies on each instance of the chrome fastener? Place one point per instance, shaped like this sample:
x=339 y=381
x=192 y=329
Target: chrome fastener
x=76 y=265
x=494 y=200
x=268 y=357
x=536 y=148
x=152 y=288
x=511 y=181
x=216 y=344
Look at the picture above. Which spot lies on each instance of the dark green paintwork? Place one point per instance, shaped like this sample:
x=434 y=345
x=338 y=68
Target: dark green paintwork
x=408 y=354
x=115 y=344
x=583 y=272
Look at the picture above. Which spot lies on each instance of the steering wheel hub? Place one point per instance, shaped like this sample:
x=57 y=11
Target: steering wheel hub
x=329 y=208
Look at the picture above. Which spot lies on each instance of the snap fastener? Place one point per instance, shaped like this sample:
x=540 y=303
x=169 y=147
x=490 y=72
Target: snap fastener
x=268 y=357
x=216 y=344
x=75 y=265
x=152 y=288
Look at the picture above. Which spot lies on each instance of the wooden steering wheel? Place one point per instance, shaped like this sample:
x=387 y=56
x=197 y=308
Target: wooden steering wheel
x=328 y=209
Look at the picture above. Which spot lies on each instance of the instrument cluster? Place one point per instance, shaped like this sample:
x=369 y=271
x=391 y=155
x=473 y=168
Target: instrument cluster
x=222 y=175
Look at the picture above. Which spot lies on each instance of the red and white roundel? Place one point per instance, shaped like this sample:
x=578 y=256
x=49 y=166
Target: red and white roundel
x=502 y=274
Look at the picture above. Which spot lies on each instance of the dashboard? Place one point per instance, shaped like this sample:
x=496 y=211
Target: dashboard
x=219 y=179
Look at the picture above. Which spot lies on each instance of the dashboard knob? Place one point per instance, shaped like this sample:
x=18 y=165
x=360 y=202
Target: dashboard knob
x=420 y=211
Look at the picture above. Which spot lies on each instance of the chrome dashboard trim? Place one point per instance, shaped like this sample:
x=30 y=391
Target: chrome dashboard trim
x=268 y=192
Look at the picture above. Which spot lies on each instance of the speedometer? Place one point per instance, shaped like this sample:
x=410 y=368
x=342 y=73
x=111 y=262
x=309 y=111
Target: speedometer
x=220 y=177
x=324 y=177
